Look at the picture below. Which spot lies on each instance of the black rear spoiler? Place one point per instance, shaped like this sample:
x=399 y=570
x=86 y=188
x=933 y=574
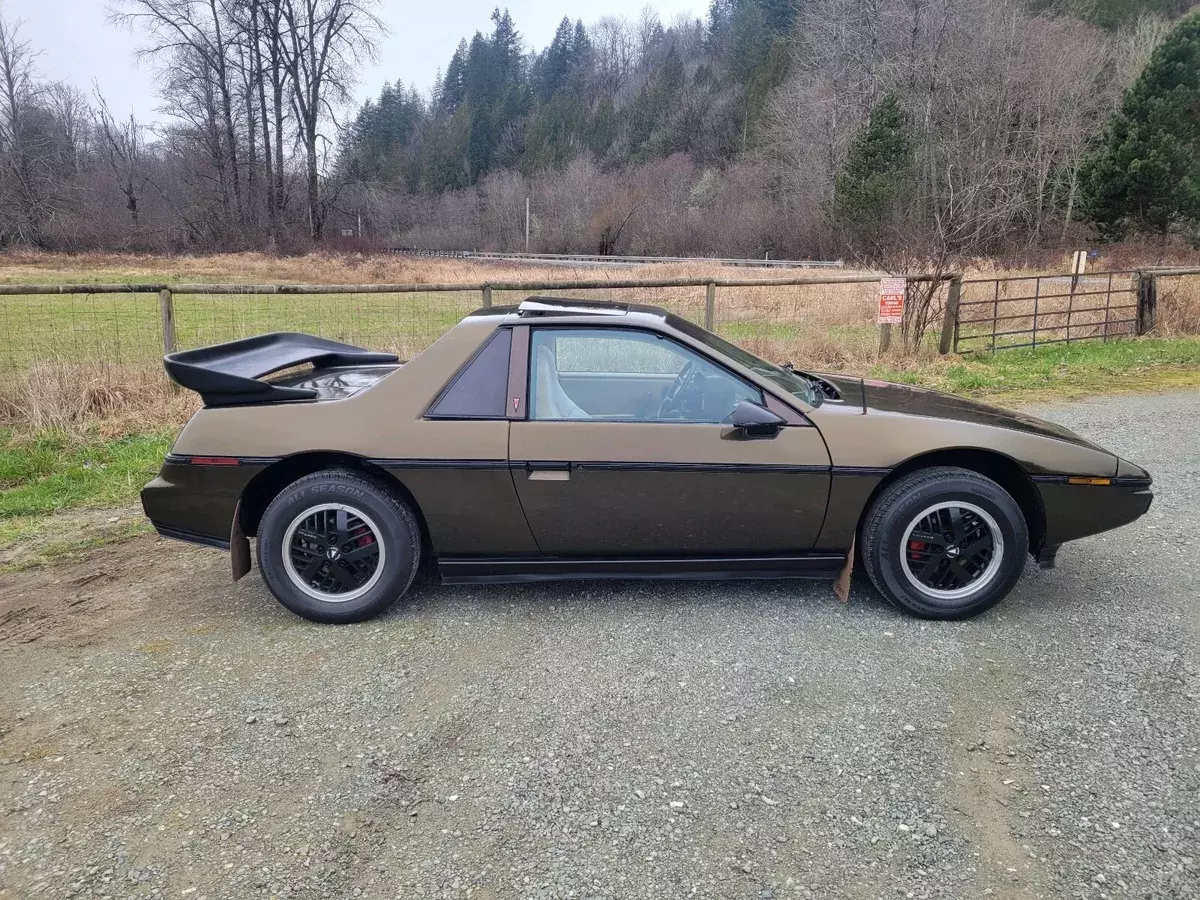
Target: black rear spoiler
x=227 y=374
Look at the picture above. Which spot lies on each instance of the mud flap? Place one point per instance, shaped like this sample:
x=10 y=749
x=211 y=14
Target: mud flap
x=239 y=546
x=841 y=587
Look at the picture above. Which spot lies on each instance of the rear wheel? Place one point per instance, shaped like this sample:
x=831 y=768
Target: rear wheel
x=945 y=543
x=336 y=546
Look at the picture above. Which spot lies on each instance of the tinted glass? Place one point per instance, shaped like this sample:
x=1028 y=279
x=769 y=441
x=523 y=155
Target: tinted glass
x=625 y=375
x=480 y=389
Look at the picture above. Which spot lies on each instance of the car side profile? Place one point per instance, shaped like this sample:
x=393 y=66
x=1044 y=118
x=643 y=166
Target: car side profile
x=567 y=439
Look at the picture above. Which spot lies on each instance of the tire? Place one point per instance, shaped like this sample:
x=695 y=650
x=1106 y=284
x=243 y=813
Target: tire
x=960 y=577
x=338 y=547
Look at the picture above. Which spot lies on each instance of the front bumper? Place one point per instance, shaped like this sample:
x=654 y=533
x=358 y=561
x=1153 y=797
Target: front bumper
x=1077 y=510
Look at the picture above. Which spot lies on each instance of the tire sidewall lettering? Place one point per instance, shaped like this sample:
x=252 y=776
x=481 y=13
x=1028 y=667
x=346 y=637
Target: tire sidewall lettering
x=397 y=527
x=320 y=489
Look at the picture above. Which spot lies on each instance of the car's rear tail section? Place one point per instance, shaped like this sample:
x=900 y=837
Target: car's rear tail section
x=233 y=374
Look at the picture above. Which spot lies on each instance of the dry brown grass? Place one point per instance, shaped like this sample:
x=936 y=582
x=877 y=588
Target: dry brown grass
x=1178 y=305
x=30 y=266
x=107 y=400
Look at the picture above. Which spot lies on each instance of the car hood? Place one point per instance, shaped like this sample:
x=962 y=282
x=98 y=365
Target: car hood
x=883 y=396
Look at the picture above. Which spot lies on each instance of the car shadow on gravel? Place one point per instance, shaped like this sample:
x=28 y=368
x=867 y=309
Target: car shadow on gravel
x=1036 y=590
x=665 y=596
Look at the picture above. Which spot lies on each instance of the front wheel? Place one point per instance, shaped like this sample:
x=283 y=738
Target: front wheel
x=338 y=547
x=945 y=543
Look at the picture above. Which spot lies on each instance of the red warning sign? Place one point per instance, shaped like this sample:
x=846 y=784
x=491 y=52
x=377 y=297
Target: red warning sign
x=891 y=301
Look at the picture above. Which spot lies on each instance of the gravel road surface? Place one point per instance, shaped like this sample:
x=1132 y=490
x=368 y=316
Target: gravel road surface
x=166 y=734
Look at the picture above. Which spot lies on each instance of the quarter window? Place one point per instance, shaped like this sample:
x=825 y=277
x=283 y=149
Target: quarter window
x=625 y=375
x=480 y=388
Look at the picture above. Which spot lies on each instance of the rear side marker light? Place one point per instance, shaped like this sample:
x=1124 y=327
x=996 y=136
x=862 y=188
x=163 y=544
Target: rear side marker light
x=214 y=461
x=1096 y=481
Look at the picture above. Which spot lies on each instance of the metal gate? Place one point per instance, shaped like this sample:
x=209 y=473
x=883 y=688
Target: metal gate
x=1034 y=310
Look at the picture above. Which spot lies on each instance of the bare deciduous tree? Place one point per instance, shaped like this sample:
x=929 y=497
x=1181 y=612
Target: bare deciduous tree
x=189 y=37
x=615 y=43
x=22 y=198
x=123 y=145
x=325 y=41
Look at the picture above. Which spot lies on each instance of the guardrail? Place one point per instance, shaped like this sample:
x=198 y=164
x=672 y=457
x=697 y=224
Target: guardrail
x=599 y=259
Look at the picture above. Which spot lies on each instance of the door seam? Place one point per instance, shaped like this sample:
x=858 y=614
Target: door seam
x=517 y=493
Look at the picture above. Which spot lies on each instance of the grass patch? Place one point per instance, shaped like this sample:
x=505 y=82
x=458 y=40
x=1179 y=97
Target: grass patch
x=53 y=472
x=1061 y=370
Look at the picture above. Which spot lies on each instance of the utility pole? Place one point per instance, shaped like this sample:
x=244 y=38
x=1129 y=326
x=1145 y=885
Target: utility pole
x=526 y=223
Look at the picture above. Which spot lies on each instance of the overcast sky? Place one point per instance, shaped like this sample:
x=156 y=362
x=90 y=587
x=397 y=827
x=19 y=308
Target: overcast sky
x=79 y=45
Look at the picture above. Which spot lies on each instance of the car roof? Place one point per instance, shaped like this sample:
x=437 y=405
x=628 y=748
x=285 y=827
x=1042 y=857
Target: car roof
x=568 y=310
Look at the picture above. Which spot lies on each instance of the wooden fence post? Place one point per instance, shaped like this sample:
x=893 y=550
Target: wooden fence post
x=487 y=296
x=166 y=309
x=885 y=338
x=1147 y=302
x=950 y=319
x=710 y=303
x=166 y=306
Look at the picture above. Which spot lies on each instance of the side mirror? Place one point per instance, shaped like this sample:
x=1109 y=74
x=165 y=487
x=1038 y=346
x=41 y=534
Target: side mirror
x=755 y=421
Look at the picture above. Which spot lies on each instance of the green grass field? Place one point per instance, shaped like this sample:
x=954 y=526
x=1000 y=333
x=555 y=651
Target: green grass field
x=52 y=472
x=42 y=477
x=1061 y=370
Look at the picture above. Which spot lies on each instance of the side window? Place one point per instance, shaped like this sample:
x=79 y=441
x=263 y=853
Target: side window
x=624 y=375
x=480 y=388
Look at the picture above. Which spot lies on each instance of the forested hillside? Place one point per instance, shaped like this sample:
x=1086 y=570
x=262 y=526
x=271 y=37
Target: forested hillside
x=886 y=130
x=731 y=135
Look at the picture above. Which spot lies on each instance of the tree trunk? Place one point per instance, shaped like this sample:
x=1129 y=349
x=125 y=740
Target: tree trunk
x=221 y=70
x=277 y=69
x=256 y=62
x=316 y=215
x=1072 y=190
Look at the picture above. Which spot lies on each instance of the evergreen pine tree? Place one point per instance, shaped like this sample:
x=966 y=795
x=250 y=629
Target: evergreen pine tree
x=876 y=179
x=454 y=85
x=747 y=41
x=553 y=66
x=1145 y=175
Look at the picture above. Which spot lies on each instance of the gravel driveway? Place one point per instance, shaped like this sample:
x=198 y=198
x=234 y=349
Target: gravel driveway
x=165 y=734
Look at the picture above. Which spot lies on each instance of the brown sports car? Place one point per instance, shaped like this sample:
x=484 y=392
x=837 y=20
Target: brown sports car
x=564 y=439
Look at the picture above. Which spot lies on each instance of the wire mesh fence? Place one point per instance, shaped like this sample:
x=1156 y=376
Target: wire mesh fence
x=133 y=325
x=87 y=327
x=402 y=323
x=818 y=320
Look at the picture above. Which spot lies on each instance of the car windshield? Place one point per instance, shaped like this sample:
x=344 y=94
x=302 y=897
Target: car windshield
x=785 y=376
